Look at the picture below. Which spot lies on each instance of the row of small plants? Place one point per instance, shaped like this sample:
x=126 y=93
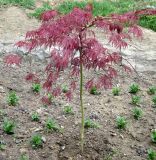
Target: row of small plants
x=51 y=125
x=121 y=122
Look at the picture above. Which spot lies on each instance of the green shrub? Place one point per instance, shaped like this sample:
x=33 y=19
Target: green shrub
x=116 y=91
x=121 y=122
x=137 y=113
x=90 y=124
x=36 y=141
x=135 y=100
x=8 y=126
x=134 y=88
x=12 y=99
x=151 y=154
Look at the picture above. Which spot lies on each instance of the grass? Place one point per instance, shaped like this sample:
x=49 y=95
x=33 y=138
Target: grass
x=23 y=3
x=102 y=8
x=38 y=11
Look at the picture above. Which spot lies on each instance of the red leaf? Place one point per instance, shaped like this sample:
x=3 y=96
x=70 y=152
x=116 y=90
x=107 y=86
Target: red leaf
x=13 y=59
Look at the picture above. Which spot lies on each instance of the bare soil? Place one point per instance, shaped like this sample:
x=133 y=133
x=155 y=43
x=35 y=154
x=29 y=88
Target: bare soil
x=105 y=143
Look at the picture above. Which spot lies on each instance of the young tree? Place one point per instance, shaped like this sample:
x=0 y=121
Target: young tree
x=73 y=45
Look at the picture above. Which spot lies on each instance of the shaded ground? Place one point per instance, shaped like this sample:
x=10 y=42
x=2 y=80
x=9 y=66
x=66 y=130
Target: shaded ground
x=131 y=144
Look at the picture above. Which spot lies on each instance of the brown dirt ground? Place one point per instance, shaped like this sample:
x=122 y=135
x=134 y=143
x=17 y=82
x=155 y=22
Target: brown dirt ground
x=100 y=144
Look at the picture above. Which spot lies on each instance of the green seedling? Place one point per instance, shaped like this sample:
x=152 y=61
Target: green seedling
x=121 y=122
x=36 y=141
x=36 y=87
x=137 y=113
x=8 y=126
x=151 y=90
x=68 y=110
x=90 y=124
x=154 y=100
x=65 y=89
x=136 y=100
x=35 y=116
x=153 y=136
x=116 y=91
x=94 y=91
x=12 y=99
x=51 y=125
x=24 y=157
x=134 y=88
x=2 y=145
x=151 y=154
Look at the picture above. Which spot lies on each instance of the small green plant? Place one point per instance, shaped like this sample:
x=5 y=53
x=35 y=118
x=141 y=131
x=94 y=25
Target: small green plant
x=24 y=157
x=154 y=100
x=65 y=89
x=2 y=112
x=68 y=110
x=151 y=154
x=116 y=91
x=121 y=122
x=90 y=124
x=137 y=113
x=36 y=141
x=51 y=125
x=134 y=88
x=2 y=145
x=135 y=100
x=94 y=91
x=151 y=90
x=36 y=87
x=12 y=99
x=35 y=116
x=8 y=126
x=153 y=136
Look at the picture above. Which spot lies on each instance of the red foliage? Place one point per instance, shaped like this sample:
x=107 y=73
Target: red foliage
x=13 y=59
x=70 y=35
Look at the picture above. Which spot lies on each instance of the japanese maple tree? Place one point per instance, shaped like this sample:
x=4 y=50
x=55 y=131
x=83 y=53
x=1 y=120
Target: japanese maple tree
x=73 y=44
